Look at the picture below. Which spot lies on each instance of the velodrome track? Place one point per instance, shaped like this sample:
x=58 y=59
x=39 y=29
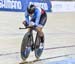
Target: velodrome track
x=59 y=38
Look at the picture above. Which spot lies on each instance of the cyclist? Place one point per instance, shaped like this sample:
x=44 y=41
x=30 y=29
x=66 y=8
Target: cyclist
x=36 y=16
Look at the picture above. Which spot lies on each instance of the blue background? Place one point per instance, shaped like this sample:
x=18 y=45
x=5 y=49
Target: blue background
x=25 y=3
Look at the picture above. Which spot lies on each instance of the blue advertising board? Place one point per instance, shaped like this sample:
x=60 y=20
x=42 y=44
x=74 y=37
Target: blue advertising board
x=21 y=5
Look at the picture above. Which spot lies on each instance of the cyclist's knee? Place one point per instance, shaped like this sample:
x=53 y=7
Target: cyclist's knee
x=41 y=34
x=39 y=30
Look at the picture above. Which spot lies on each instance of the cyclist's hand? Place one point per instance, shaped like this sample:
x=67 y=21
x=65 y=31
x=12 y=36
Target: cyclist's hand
x=31 y=24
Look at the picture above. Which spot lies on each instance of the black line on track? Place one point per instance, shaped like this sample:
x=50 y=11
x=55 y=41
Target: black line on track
x=53 y=57
x=60 y=47
x=44 y=49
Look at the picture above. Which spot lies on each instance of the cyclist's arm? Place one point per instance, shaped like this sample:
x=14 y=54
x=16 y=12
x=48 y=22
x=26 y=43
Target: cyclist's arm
x=38 y=15
x=26 y=18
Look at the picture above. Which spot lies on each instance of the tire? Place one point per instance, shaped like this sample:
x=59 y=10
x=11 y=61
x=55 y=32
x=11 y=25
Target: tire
x=38 y=51
x=25 y=49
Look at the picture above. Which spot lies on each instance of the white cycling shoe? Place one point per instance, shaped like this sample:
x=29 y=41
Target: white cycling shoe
x=41 y=46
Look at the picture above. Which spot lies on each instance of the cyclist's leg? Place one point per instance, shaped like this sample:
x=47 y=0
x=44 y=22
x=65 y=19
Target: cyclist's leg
x=42 y=22
x=41 y=34
x=38 y=51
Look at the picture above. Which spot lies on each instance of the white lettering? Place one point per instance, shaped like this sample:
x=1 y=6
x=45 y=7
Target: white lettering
x=42 y=5
x=10 y=4
x=19 y=6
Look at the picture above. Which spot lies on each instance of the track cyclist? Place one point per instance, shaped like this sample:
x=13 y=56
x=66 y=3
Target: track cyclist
x=37 y=17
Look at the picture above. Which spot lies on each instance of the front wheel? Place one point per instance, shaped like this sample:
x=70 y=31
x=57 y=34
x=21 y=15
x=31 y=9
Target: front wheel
x=25 y=48
x=38 y=49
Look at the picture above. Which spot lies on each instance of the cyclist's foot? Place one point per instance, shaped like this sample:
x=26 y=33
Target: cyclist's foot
x=41 y=46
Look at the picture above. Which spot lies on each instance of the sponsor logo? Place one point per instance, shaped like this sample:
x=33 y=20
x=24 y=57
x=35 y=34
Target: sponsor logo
x=42 y=5
x=11 y=4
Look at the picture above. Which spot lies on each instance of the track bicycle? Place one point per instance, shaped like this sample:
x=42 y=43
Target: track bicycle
x=28 y=44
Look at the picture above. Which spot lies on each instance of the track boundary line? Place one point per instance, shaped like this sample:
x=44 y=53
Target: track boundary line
x=44 y=49
x=60 y=47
